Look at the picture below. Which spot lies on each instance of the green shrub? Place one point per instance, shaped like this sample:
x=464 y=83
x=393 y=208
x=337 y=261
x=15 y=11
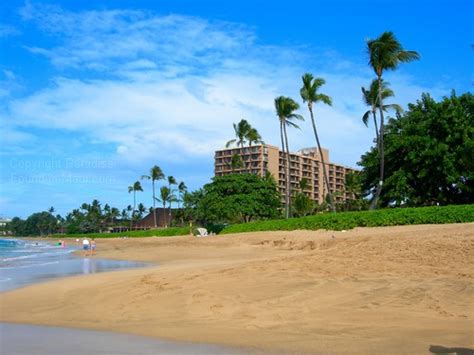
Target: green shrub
x=165 y=232
x=349 y=220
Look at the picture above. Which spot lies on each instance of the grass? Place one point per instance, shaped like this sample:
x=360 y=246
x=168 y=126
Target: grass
x=165 y=232
x=349 y=220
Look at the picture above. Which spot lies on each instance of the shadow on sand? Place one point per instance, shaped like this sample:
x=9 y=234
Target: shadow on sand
x=438 y=349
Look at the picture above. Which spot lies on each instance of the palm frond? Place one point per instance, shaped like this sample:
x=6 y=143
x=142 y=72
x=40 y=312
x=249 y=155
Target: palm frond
x=296 y=116
x=366 y=96
x=365 y=118
x=394 y=107
x=324 y=99
x=408 y=56
x=318 y=82
x=292 y=124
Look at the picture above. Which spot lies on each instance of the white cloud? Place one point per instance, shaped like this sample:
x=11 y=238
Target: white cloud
x=174 y=85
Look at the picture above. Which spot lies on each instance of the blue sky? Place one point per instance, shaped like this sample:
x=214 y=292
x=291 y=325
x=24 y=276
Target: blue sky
x=94 y=93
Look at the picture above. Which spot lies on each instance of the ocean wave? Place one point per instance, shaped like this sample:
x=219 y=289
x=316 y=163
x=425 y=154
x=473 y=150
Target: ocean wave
x=29 y=265
x=37 y=255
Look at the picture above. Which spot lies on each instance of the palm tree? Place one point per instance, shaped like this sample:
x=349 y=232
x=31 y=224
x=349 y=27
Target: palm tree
x=241 y=130
x=309 y=94
x=171 y=181
x=50 y=211
x=353 y=184
x=370 y=98
x=134 y=188
x=236 y=162
x=385 y=53
x=285 y=109
x=141 y=209
x=113 y=215
x=155 y=174
x=182 y=188
x=165 y=196
x=303 y=184
x=253 y=137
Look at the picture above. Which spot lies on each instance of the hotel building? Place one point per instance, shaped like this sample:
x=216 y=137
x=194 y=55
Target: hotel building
x=306 y=163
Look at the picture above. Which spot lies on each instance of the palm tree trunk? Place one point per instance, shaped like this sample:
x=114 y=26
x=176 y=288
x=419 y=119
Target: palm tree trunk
x=242 y=156
x=373 y=204
x=288 y=185
x=287 y=213
x=154 y=209
x=131 y=217
x=164 y=210
x=376 y=129
x=326 y=179
x=169 y=214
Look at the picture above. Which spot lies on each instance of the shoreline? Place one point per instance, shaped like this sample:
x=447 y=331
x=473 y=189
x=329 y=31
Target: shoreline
x=368 y=289
x=43 y=340
x=45 y=261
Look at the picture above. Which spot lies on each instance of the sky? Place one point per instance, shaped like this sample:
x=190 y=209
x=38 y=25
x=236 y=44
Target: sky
x=94 y=93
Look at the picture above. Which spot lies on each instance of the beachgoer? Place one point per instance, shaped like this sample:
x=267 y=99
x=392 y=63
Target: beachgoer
x=85 y=246
x=93 y=246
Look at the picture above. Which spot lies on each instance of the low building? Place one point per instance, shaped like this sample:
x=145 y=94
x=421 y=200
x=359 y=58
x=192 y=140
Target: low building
x=306 y=163
x=163 y=219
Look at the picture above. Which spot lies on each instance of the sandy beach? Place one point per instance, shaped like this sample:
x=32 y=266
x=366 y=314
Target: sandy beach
x=368 y=290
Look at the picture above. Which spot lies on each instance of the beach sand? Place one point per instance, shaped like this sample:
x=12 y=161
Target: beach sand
x=368 y=290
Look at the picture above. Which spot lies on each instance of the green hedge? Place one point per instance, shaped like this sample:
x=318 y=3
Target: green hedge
x=165 y=232
x=349 y=220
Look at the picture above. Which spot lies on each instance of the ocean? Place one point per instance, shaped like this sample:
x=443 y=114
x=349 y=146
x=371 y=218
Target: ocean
x=24 y=262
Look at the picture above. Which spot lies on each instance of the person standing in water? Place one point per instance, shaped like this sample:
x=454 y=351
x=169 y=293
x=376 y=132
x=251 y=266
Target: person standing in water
x=85 y=246
x=93 y=246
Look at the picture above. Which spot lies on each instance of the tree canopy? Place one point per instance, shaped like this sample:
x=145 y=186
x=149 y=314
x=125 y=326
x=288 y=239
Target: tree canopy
x=429 y=154
x=235 y=198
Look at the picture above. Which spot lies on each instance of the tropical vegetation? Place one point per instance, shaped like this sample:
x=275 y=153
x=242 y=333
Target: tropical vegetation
x=429 y=154
x=385 y=53
x=348 y=220
x=285 y=108
x=310 y=95
x=421 y=157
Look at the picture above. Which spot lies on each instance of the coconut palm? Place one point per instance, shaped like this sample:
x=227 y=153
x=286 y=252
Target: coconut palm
x=254 y=137
x=241 y=130
x=182 y=188
x=309 y=93
x=370 y=98
x=236 y=162
x=285 y=109
x=165 y=196
x=155 y=174
x=141 y=209
x=113 y=215
x=50 y=211
x=134 y=188
x=385 y=53
x=171 y=181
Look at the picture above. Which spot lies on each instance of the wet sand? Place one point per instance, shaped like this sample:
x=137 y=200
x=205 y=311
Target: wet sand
x=369 y=290
x=20 y=339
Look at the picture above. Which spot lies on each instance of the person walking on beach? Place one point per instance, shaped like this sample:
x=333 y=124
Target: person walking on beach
x=93 y=246
x=85 y=246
